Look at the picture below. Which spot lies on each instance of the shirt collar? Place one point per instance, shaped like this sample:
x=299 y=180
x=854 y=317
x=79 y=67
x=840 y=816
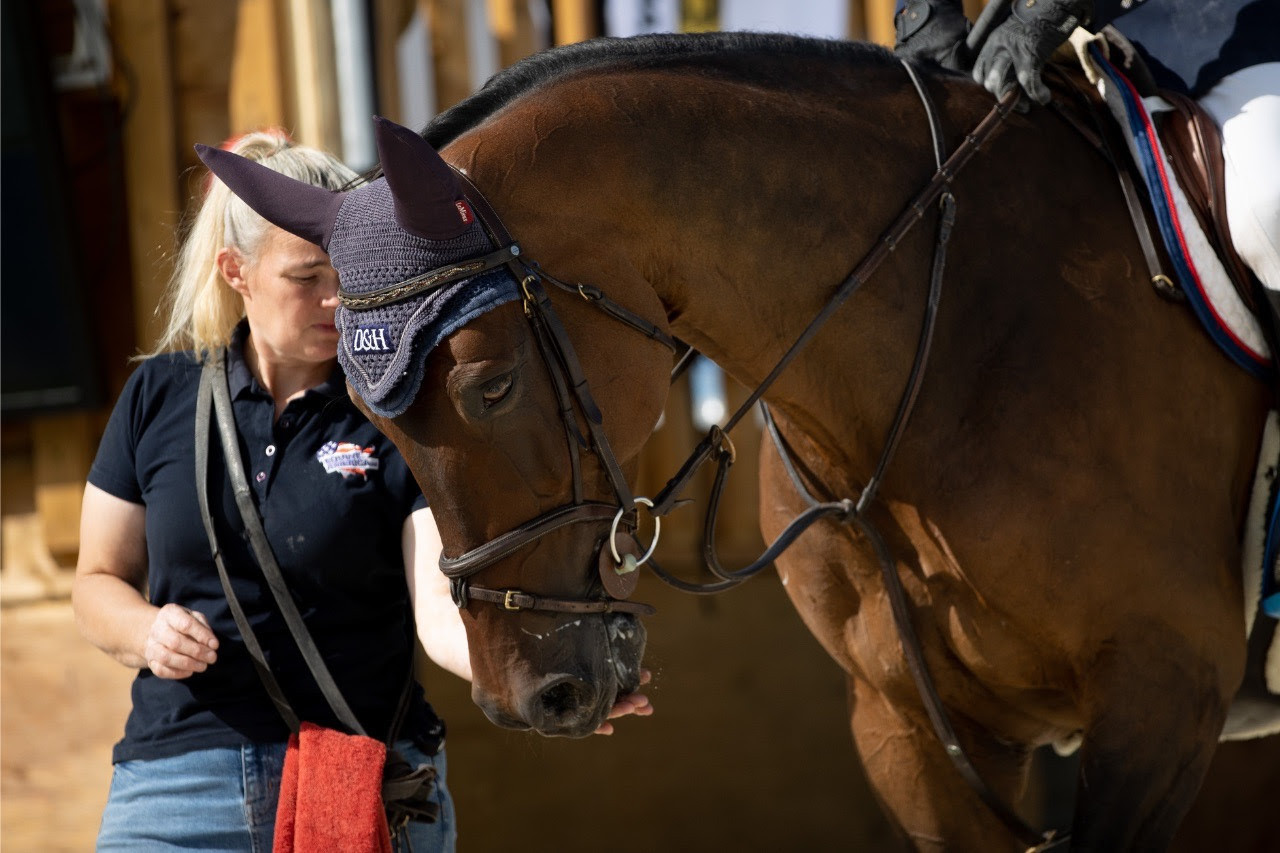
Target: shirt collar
x=240 y=380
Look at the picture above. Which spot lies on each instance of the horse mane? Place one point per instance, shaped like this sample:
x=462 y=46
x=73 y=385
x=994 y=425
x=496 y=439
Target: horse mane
x=740 y=55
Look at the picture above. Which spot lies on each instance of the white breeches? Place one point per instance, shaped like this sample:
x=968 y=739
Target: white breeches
x=1246 y=107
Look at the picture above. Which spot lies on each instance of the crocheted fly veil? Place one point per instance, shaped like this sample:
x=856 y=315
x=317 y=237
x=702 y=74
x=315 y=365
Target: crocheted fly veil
x=410 y=222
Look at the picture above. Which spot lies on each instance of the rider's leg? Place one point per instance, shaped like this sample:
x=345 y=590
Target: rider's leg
x=1246 y=106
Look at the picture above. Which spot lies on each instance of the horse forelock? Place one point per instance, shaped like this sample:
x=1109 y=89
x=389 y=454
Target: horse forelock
x=747 y=56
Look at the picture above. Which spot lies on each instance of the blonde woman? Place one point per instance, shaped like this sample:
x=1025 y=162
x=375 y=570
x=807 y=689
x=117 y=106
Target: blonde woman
x=199 y=766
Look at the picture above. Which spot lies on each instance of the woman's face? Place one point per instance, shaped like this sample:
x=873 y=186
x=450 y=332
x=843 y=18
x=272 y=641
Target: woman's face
x=290 y=294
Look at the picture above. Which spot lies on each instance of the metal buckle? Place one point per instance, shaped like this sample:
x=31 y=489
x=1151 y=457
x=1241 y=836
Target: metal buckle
x=527 y=294
x=508 y=600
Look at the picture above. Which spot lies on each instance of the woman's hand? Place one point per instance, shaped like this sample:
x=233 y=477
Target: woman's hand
x=179 y=643
x=632 y=704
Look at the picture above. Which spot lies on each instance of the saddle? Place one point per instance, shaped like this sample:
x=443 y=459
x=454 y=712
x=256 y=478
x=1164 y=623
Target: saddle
x=1192 y=144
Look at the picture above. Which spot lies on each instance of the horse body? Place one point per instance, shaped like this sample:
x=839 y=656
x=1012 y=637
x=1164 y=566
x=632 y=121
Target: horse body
x=1066 y=503
x=1064 y=506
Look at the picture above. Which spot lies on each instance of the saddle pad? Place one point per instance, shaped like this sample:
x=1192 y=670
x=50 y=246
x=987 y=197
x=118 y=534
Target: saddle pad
x=1196 y=266
x=1262 y=537
x=1255 y=709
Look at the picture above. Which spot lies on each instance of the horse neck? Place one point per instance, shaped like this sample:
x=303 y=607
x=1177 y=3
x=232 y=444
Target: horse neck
x=742 y=210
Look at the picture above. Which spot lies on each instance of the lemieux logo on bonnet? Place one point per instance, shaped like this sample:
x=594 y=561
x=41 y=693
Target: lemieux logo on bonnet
x=347 y=459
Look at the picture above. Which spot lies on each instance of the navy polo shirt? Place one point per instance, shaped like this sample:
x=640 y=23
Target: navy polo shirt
x=334 y=495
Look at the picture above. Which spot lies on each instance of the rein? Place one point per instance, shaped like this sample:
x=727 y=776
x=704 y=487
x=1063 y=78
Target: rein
x=572 y=392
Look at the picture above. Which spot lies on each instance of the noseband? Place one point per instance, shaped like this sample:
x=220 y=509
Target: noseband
x=573 y=396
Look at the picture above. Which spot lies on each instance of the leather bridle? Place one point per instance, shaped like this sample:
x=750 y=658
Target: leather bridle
x=574 y=396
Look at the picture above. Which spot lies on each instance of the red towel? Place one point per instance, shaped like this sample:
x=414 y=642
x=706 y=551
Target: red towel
x=331 y=794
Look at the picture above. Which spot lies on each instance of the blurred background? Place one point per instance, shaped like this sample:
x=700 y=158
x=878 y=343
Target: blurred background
x=102 y=101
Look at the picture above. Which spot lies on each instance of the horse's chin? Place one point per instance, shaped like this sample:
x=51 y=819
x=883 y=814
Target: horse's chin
x=504 y=721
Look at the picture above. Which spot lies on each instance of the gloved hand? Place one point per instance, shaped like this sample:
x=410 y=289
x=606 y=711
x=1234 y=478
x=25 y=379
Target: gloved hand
x=933 y=31
x=1017 y=50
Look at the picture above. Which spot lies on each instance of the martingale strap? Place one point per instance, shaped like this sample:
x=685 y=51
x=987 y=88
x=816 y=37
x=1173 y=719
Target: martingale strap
x=847 y=511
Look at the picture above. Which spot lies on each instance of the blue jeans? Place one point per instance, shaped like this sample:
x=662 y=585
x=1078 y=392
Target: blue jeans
x=225 y=799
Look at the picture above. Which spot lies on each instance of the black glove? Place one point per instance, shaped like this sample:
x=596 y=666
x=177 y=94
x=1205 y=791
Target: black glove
x=933 y=31
x=1020 y=46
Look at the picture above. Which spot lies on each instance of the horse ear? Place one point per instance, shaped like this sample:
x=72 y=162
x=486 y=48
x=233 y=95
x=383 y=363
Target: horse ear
x=296 y=206
x=425 y=190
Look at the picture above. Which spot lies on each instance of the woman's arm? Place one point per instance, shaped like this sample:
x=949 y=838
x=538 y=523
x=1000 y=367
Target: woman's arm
x=111 y=611
x=439 y=621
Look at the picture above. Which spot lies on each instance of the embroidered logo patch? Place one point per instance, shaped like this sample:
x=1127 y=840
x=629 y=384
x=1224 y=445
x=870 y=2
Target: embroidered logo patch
x=347 y=459
x=373 y=338
x=464 y=211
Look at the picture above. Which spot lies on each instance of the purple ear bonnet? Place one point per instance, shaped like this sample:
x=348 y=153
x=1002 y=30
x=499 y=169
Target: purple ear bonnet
x=403 y=225
x=384 y=350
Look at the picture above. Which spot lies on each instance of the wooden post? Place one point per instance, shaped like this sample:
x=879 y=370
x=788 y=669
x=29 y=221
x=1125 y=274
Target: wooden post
x=390 y=17
x=574 y=21
x=142 y=35
x=699 y=16
x=447 y=20
x=258 y=89
x=879 y=21
x=202 y=82
x=64 y=446
x=315 y=79
x=857 y=29
x=513 y=28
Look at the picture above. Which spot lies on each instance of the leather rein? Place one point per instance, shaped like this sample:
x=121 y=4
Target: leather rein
x=574 y=396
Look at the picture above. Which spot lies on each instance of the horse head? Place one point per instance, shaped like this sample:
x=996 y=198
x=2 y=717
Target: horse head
x=501 y=423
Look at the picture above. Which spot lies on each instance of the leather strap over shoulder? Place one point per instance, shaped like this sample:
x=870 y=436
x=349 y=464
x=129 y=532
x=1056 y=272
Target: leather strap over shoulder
x=406 y=790
x=214 y=372
x=215 y=369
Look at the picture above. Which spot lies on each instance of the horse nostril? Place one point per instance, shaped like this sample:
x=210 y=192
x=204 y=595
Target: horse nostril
x=563 y=698
x=559 y=705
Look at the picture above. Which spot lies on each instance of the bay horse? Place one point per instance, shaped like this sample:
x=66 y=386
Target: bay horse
x=1065 y=503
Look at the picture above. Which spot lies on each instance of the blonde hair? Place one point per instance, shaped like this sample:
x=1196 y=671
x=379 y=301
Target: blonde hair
x=201 y=308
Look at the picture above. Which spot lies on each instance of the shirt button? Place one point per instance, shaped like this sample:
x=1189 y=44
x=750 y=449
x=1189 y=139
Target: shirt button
x=262 y=475
x=271 y=450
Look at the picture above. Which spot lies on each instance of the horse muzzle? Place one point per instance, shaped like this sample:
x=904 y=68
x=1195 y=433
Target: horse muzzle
x=572 y=696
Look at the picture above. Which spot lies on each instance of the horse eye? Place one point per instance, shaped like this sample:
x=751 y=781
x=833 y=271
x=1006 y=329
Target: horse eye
x=495 y=390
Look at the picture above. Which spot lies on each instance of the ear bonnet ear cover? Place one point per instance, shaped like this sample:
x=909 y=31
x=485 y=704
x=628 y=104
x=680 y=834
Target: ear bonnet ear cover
x=384 y=350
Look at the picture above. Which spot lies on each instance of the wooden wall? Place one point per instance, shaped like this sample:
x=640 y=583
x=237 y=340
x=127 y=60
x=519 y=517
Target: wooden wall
x=188 y=71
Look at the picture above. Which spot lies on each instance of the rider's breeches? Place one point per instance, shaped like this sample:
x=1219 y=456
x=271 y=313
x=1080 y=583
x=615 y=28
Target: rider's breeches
x=1246 y=106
